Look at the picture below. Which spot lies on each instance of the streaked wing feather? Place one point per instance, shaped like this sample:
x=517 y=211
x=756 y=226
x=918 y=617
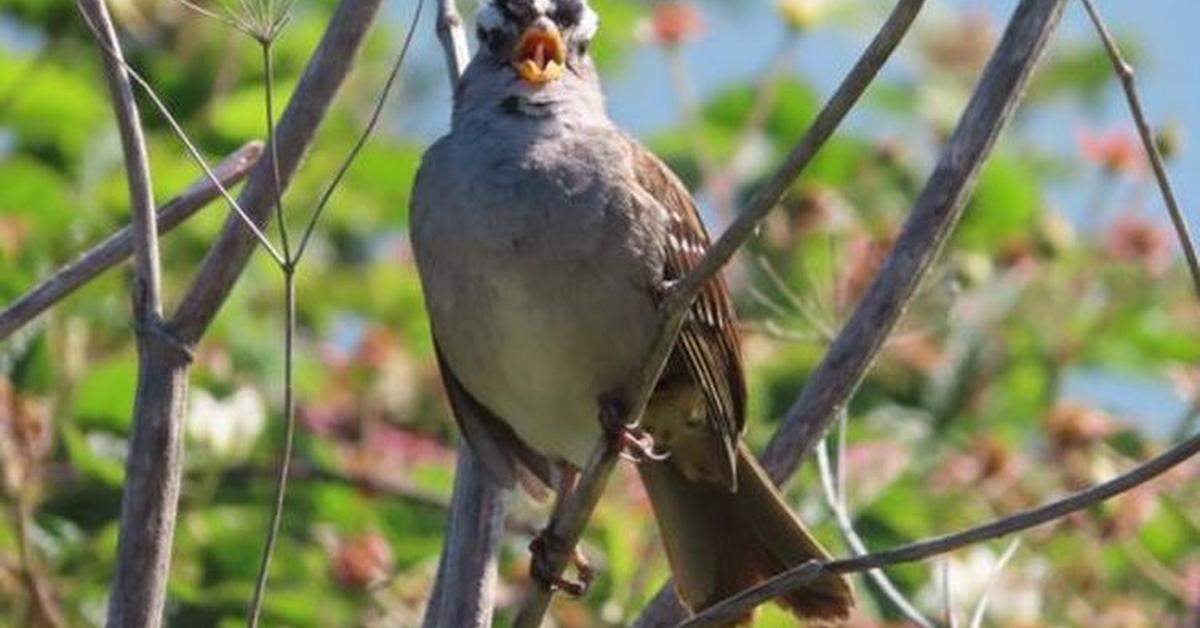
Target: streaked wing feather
x=709 y=339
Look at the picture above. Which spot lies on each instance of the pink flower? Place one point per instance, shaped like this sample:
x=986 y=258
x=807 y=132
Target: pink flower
x=1115 y=151
x=1138 y=239
x=359 y=562
x=673 y=23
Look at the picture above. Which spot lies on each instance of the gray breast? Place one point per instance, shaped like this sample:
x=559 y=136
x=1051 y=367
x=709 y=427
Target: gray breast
x=538 y=268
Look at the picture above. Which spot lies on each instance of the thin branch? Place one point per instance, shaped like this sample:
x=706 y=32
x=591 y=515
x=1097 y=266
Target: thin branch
x=993 y=579
x=289 y=438
x=325 y=73
x=836 y=503
x=268 y=63
x=453 y=38
x=119 y=246
x=154 y=464
x=380 y=102
x=182 y=136
x=934 y=215
x=147 y=289
x=1124 y=72
x=737 y=605
x=578 y=506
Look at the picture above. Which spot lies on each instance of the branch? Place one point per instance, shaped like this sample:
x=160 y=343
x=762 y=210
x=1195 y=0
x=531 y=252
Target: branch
x=934 y=215
x=1125 y=73
x=835 y=499
x=466 y=579
x=578 y=506
x=454 y=40
x=322 y=78
x=739 y=604
x=154 y=464
x=117 y=247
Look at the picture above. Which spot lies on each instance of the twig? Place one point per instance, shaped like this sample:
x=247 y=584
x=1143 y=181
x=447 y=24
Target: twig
x=376 y=113
x=191 y=149
x=147 y=289
x=934 y=214
x=147 y=314
x=453 y=39
x=947 y=598
x=836 y=503
x=578 y=505
x=1124 y=72
x=154 y=464
x=289 y=268
x=466 y=577
x=119 y=246
x=737 y=605
x=986 y=596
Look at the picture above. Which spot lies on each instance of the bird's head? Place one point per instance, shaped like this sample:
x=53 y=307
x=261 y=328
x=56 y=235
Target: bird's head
x=539 y=41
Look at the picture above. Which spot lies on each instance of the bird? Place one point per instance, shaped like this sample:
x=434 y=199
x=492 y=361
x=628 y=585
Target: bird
x=546 y=239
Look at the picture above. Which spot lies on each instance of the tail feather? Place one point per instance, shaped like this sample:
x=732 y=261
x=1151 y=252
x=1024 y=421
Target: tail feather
x=720 y=542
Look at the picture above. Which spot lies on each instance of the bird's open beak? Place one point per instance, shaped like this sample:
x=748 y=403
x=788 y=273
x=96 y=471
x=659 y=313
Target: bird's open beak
x=540 y=54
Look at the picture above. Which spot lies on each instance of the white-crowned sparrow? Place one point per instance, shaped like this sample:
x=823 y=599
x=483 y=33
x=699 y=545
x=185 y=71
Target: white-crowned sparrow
x=544 y=237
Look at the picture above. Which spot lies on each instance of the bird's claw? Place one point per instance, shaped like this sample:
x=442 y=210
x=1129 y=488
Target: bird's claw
x=545 y=548
x=634 y=443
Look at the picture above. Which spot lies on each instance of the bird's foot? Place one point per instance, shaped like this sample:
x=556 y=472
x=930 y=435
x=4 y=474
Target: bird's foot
x=634 y=443
x=547 y=548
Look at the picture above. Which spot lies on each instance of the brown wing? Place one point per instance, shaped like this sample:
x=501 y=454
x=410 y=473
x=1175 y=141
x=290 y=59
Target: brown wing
x=708 y=344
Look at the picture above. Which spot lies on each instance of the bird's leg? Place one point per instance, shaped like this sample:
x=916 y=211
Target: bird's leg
x=635 y=444
x=548 y=546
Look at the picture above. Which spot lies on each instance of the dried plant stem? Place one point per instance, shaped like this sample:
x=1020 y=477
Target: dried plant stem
x=119 y=246
x=289 y=267
x=933 y=217
x=1124 y=73
x=289 y=437
x=835 y=499
x=578 y=505
x=154 y=464
x=787 y=581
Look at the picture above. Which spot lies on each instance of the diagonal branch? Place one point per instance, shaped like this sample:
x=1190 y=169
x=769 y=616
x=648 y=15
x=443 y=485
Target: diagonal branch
x=155 y=461
x=578 y=506
x=119 y=246
x=737 y=605
x=934 y=215
x=1124 y=72
x=147 y=289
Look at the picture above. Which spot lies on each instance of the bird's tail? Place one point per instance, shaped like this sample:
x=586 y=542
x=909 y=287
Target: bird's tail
x=720 y=542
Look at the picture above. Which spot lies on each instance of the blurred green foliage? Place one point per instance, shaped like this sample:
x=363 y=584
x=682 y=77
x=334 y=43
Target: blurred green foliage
x=974 y=409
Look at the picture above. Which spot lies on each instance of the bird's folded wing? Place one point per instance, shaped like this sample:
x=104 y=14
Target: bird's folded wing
x=505 y=456
x=709 y=339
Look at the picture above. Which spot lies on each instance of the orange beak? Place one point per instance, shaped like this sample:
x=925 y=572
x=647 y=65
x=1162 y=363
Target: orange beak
x=540 y=55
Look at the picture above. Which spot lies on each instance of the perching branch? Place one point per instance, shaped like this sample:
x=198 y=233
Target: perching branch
x=160 y=364
x=578 y=505
x=934 y=215
x=1124 y=73
x=119 y=246
x=463 y=591
x=154 y=464
x=739 y=604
